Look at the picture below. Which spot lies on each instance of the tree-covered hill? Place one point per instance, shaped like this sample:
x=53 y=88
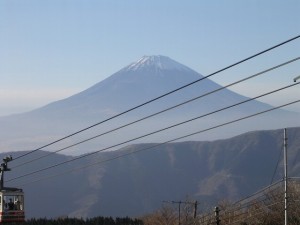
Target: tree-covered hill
x=92 y=221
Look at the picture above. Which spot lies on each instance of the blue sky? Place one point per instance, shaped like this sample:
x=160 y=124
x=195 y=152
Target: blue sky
x=51 y=49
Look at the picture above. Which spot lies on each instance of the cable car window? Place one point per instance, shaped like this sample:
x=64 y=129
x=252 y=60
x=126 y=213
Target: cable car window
x=13 y=202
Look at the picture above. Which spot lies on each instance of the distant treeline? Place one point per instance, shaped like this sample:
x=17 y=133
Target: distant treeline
x=92 y=221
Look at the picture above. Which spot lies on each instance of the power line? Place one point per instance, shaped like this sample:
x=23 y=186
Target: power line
x=169 y=127
x=166 y=128
x=176 y=139
x=162 y=111
x=224 y=215
x=253 y=213
x=161 y=96
x=266 y=198
x=260 y=197
x=259 y=192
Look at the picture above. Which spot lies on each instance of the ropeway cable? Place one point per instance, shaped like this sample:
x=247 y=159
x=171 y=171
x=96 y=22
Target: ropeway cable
x=162 y=111
x=169 y=127
x=160 y=130
x=155 y=145
x=161 y=96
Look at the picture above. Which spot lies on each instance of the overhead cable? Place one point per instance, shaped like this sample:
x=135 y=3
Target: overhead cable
x=161 y=96
x=160 y=130
x=148 y=148
x=162 y=111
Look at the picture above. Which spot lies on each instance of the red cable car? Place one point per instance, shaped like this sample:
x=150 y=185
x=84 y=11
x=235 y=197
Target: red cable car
x=11 y=199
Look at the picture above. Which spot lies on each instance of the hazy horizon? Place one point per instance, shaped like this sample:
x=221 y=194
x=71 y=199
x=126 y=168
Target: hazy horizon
x=51 y=50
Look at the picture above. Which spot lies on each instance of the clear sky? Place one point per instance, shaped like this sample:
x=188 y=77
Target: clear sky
x=51 y=49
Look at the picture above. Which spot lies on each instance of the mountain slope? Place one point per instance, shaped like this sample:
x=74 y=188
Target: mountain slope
x=149 y=77
x=141 y=81
x=138 y=183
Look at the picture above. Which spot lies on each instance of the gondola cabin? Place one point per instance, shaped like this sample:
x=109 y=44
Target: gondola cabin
x=11 y=199
x=12 y=206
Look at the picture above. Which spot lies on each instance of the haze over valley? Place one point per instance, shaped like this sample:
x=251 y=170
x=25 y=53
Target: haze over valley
x=135 y=84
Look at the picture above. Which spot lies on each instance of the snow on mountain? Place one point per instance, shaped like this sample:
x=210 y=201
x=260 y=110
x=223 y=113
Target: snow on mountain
x=135 y=84
x=146 y=79
x=159 y=62
x=141 y=81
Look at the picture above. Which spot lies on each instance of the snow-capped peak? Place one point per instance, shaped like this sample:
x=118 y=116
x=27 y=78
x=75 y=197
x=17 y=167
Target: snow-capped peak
x=158 y=62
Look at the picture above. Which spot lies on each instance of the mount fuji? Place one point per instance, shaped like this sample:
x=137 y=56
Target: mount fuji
x=139 y=82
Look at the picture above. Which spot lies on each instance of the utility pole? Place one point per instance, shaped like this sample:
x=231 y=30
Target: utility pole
x=195 y=209
x=179 y=208
x=285 y=178
x=217 y=215
x=179 y=204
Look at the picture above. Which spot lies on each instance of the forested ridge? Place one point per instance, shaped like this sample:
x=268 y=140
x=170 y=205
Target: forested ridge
x=92 y=221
